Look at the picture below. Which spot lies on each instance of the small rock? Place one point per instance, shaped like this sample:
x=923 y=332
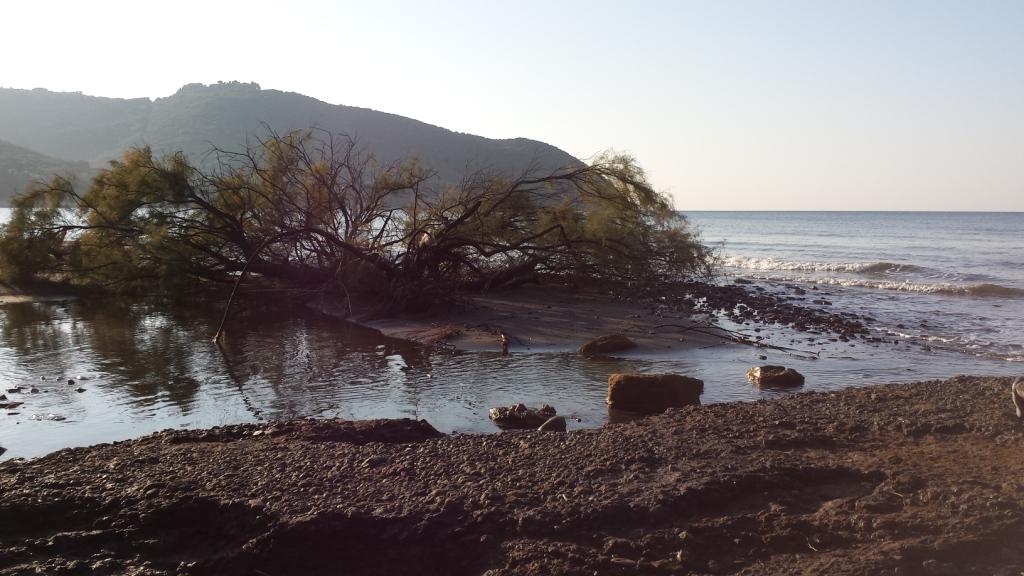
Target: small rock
x=936 y=568
x=15 y=390
x=520 y=417
x=10 y=405
x=2 y=450
x=774 y=376
x=669 y=566
x=50 y=417
x=79 y=390
x=619 y=547
x=553 y=424
x=606 y=345
x=71 y=382
x=374 y=461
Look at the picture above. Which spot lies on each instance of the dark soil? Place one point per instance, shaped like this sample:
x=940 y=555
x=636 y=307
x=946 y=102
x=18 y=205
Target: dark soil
x=923 y=478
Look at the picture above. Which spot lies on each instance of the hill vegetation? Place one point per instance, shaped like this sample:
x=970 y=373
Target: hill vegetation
x=20 y=167
x=76 y=127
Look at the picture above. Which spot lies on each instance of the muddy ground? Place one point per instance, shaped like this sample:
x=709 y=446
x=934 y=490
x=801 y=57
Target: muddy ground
x=923 y=478
x=667 y=318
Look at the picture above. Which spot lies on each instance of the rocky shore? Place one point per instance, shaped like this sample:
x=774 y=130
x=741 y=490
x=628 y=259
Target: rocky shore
x=924 y=478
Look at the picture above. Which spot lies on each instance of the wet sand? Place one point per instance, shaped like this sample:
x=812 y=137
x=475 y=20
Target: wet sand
x=556 y=319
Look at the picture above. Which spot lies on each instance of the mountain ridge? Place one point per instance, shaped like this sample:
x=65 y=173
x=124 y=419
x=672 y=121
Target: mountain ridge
x=20 y=167
x=95 y=129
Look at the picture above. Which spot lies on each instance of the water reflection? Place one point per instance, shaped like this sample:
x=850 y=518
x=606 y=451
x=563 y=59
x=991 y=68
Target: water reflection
x=150 y=366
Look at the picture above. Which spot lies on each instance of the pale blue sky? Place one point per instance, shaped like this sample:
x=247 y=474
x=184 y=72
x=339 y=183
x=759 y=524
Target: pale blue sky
x=889 y=105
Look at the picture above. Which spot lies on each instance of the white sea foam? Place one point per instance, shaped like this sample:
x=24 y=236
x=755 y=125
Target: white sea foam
x=942 y=288
x=749 y=263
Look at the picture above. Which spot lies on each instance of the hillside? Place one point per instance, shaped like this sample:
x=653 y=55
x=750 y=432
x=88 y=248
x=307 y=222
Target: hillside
x=93 y=129
x=20 y=166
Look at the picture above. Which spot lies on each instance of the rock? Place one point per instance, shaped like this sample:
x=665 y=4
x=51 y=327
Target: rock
x=2 y=450
x=10 y=405
x=79 y=390
x=519 y=416
x=50 y=417
x=652 y=393
x=15 y=390
x=619 y=547
x=71 y=382
x=936 y=568
x=553 y=424
x=774 y=376
x=606 y=345
x=1017 y=392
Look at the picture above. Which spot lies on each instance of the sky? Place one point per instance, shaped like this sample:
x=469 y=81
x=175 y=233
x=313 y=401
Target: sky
x=729 y=105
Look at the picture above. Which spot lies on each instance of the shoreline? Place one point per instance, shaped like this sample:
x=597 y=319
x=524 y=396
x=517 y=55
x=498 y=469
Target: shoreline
x=550 y=319
x=862 y=480
x=554 y=318
x=388 y=378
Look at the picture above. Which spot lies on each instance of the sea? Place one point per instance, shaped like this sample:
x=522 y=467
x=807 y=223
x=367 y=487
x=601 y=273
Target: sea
x=944 y=293
x=953 y=281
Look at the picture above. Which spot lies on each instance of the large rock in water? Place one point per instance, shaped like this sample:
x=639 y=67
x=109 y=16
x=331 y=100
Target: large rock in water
x=606 y=345
x=774 y=377
x=652 y=393
x=519 y=416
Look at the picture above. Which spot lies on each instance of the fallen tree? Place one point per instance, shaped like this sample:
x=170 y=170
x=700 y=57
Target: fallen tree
x=307 y=211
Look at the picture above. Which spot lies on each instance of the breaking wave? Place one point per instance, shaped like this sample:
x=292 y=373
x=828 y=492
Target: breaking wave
x=984 y=290
x=749 y=263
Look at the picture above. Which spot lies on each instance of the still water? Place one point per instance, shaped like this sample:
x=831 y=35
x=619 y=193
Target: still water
x=146 y=366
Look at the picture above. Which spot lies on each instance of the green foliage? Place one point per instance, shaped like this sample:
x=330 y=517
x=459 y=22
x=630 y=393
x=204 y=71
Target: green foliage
x=309 y=211
x=32 y=241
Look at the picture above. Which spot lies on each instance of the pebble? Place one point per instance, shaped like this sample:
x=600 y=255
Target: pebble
x=553 y=424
